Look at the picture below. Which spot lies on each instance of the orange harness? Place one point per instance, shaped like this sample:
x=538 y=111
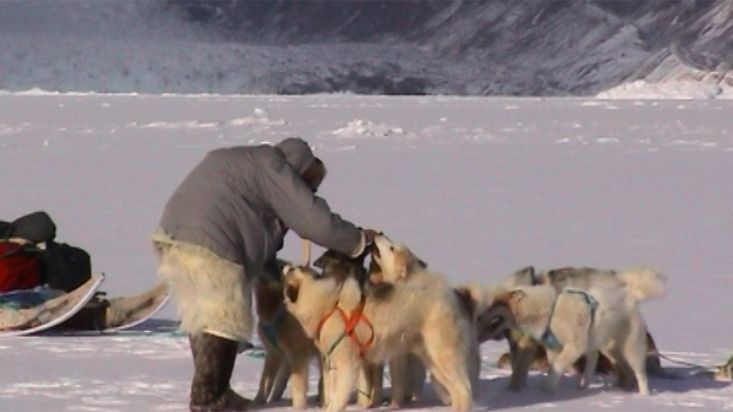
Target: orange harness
x=350 y=323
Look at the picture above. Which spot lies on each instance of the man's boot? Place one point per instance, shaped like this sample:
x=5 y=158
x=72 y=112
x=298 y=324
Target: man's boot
x=213 y=359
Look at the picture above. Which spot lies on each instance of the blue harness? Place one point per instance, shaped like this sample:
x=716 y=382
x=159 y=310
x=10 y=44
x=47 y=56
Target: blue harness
x=269 y=329
x=549 y=340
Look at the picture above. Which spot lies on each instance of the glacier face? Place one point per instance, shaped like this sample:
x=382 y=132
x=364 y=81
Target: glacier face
x=517 y=47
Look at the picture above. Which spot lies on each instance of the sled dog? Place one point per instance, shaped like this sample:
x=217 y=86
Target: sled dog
x=408 y=374
x=573 y=322
x=525 y=352
x=421 y=315
x=287 y=348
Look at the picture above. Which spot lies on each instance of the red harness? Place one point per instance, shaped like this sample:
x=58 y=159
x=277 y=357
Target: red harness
x=350 y=323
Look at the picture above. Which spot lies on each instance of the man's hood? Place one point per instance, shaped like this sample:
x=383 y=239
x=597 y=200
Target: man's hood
x=297 y=153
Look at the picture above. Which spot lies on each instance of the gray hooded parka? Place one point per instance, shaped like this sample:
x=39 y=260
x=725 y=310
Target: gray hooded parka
x=239 y=201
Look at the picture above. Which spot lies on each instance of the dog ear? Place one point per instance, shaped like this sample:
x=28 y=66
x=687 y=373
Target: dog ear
x=287 y=268
x=517 y=295
x=291 y=291
x=323 y=260
x=526 y=276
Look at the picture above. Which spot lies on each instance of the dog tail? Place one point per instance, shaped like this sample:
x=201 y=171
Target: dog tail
x=643 y=283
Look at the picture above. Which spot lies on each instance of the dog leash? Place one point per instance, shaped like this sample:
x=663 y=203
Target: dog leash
x=685 y=363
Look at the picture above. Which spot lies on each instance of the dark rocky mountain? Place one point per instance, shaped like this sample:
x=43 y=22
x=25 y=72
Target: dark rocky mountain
x=466 y=47
x=513 y=47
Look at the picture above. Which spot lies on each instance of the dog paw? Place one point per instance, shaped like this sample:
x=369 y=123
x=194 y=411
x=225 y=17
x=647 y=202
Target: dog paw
x=583 y=383
x=364 y=402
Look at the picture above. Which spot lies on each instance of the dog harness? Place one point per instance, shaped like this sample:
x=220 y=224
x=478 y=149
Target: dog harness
x=549 y=340
x=350 y=324
x=269 y=329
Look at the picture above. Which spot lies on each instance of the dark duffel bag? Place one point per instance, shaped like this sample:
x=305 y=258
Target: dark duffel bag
x=66 y=267
x=35 y=227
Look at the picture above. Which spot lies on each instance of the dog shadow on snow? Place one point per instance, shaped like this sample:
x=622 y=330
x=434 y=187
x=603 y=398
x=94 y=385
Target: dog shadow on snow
x=494 y=395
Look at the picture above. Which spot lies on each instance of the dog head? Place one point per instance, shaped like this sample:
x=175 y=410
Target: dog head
x=395 y=261
x=309 y=295
x=294 y=278
x=340 y=266
x=498 y=320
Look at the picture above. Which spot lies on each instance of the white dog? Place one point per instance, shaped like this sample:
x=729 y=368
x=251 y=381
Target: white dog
x=421 y=315
x=604 y=317
x=393 y=266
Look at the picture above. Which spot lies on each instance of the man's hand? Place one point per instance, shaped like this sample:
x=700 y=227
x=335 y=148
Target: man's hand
x=364 y=247
x=369 y=235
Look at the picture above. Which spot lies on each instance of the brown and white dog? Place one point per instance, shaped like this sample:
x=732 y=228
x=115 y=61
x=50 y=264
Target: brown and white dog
x=421 y=315
x=288 y=349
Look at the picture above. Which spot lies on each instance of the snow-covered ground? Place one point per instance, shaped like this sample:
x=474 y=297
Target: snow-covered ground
x=641 y=89
x=478 y=187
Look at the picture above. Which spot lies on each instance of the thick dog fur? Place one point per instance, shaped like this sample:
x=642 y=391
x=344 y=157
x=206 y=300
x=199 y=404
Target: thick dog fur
x=525 y=353
x=614 y=327
x=408 y=374
x=287 y=348
x=341 y=267
x=395 y=264
x=421 y=315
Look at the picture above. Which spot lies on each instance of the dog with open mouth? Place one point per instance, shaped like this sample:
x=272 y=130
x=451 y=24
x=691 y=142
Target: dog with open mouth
x=408 y=373
x=420 y=315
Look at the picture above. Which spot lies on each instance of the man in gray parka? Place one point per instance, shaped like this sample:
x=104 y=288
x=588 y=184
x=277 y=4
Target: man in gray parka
x=221 y=226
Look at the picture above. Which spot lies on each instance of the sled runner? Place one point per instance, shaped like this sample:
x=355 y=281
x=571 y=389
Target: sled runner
x=128 y=312
x=108 y=315
x=30 y=311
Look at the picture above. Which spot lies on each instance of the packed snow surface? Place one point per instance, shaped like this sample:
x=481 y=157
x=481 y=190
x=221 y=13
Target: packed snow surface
x=477 y=187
